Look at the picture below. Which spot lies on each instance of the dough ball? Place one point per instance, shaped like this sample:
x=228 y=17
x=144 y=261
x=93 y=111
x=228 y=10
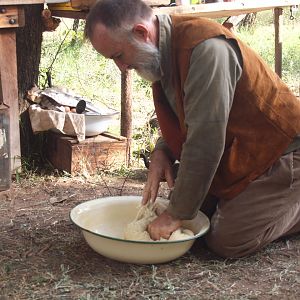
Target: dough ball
x=137 y=229
x=134 y=231
x=181 y=234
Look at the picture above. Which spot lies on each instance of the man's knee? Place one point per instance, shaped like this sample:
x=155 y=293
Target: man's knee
x=229 y=245
x=219 y=245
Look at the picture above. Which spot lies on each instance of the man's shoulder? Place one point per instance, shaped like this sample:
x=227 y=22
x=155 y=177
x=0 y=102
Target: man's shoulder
x=217 y=49
x=187 y=32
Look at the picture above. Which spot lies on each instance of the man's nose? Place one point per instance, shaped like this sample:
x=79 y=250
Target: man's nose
x=123 y=67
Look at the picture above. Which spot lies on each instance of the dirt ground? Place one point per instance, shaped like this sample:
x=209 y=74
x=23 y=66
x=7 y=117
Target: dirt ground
x=44 y=256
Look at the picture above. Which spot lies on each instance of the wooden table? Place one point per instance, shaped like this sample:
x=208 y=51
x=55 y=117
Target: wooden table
x=12 y=17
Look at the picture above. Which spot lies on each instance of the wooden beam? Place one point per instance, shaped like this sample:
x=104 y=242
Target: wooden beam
x=225 y=9
x=11 y=16
x=86 y=4
x=82 y=4
x=9 y=87
x=211 y=10
x=20 y=2
x=72 y=14
x=278 y=23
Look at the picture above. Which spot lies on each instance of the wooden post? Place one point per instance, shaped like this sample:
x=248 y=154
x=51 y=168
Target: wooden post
x=9 y=87
x=126 y=109
x=11 y=17
x=278 y=22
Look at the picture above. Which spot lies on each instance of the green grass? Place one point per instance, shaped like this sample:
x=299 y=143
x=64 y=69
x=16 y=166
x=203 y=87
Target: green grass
x=261 y=38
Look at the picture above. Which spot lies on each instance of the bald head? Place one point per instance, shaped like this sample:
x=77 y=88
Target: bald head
x=127 y=32
x=117 y=15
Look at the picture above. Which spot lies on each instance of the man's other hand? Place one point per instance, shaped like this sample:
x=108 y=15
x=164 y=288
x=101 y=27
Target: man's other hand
x=163 y=226
x=160 y=168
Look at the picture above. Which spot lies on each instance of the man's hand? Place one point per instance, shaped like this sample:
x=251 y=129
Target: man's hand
x=163 y=226
x=160 y=168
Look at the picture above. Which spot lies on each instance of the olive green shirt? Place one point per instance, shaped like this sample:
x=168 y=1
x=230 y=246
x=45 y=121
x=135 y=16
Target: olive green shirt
x=215 y=68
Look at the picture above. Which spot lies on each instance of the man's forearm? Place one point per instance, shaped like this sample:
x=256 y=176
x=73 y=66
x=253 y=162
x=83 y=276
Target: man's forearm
x=162 y=145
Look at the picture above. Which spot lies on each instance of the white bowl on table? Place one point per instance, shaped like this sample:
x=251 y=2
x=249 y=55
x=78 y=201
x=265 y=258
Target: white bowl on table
x=96 y=124
x=102 y=222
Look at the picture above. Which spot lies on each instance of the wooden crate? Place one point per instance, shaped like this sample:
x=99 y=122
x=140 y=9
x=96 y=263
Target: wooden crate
x=94 y=154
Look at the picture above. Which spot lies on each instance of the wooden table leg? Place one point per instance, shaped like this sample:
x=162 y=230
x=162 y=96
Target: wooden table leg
x=126 y=109
x=278 y=23
x=9 y=88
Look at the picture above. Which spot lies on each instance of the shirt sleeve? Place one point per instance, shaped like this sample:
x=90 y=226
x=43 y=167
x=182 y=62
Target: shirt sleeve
x=162 y=145
x=215 y=68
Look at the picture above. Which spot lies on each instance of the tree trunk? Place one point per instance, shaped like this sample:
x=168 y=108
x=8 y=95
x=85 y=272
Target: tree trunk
x=29 y=41
x=248 y=21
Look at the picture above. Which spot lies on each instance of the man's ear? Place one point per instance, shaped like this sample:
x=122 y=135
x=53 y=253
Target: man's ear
x=141 y=32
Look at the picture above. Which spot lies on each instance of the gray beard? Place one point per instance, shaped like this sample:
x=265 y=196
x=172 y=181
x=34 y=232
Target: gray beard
x=148 y=75
x=147 y=63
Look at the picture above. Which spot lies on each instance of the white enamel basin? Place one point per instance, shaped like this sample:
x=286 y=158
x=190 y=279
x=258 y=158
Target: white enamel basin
x=103 y=220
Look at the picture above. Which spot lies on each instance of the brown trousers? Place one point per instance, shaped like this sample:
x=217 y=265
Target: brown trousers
x=268 y=209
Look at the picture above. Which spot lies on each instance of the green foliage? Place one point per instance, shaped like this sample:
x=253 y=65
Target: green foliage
x=76 y=65
x=144 y=142
x=123 y=171
x=261 y=37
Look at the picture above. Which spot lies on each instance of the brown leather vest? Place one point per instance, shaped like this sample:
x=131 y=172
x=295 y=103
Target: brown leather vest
x=264 y=118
